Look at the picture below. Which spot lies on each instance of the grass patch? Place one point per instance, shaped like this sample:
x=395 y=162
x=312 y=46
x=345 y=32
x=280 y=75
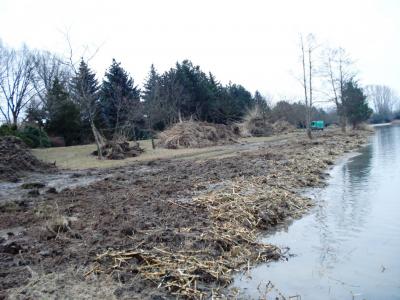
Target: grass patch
x=79 y=157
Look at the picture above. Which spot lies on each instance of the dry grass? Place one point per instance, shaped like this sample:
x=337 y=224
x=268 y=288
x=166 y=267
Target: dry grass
x=79 y=157
x=365 y=127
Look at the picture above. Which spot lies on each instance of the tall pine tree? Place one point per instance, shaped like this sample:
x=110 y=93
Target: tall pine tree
x=85 y=93
x=120 y=100
x=150 y=86
x=63 y=114
x=153 y=105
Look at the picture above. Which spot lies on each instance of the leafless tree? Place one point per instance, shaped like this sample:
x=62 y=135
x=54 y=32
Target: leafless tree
x=383 y=99
x=307 y=49
x=48 y=66
x=2 y=60
x=337 y=70
x=86 y=100
x=16 y=85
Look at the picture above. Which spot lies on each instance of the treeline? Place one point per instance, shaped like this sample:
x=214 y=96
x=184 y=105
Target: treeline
x=385 y=101
x=185 y=92
x=56 y=97
x=68 y=101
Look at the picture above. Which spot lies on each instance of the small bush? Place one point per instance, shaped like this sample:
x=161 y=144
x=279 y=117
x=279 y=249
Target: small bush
x=8 y=130
x=32 y=136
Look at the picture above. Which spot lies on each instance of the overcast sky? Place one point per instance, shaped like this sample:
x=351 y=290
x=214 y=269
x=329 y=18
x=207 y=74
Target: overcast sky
x=254 y=43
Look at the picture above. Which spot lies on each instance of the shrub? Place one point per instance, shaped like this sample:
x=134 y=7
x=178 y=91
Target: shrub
x=8 y=130
x=32 y=136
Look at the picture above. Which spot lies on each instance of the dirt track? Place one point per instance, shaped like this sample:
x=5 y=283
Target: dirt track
x=49 y=242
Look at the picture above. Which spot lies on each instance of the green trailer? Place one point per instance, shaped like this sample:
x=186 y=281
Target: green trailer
x=317 y=125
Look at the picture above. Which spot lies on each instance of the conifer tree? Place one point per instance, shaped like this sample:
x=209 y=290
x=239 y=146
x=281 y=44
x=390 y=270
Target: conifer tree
x=120 y=99
x=85 y=93
x=355 y=104
x=63 y=114
x=151 y=84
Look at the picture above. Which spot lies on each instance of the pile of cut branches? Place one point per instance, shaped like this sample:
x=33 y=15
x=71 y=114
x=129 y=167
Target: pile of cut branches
x=116 y=149
x=229 y=244
x=191 y=134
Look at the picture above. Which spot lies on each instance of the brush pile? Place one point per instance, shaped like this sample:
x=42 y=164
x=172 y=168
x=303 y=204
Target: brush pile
x=255 y=123
x=282 y=126
x=203 y=258
x=229 y=243
x=192 y=134
x=15 y=158
x=116 y=149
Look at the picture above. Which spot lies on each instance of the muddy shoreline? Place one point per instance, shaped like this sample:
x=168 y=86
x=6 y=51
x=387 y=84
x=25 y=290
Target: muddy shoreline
x=163 y=228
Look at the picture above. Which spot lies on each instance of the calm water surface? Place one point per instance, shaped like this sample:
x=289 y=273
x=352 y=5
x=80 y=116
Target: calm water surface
x=348 y=247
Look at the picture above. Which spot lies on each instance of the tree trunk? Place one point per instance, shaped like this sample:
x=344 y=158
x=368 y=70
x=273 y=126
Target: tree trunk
x=310 y=99
x=15 y=120
x=306 y=99
x=180 y=116
x=308 y=122
x=97 y=139
x=343 y=123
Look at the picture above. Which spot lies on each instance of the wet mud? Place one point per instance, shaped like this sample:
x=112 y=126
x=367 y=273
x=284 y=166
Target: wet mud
x=159 y=229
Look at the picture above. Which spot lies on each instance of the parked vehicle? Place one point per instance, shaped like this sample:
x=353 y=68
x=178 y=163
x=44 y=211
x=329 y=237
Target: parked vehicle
x=317 y=125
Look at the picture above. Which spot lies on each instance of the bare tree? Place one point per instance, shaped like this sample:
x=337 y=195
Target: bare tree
x=2 y=60
x=86 y=96
x=308 y=74
x=337 y=70
x=16 y=85
x=383 y=99
x=48 y=66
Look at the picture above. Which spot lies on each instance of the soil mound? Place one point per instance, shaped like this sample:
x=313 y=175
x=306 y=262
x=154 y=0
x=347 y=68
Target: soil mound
x=119 y=150
x=192 y=134
x=15 y=158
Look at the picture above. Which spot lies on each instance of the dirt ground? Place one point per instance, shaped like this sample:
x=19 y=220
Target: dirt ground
x=161 y=228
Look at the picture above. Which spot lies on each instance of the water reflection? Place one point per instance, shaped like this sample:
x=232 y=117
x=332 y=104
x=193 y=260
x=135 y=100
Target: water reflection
x=352 y=235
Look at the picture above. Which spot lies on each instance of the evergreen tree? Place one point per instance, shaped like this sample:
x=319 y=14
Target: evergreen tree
x=63 y=114
x=355 y=104
x=185 y=92
x=120 y=99
x=215 y=95
x=261 y=102
x=155 y=107
x=151 y=84
x=85 y=93
x=240 y=101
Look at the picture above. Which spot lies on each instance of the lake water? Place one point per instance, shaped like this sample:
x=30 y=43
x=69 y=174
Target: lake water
x=348 y=246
